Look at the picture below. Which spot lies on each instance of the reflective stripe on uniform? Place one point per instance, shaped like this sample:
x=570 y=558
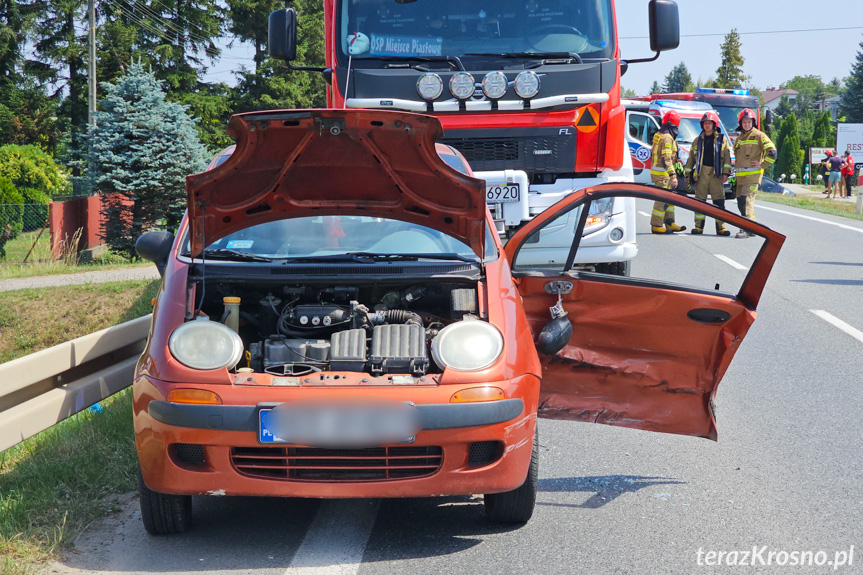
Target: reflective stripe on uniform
x=745 y=142
x=749 y=173
x=658 y=214
x=769 y=160
x=662 y=173
x=699 y=217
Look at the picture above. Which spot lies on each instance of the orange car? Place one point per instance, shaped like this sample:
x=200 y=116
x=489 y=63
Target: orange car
x=339 y=319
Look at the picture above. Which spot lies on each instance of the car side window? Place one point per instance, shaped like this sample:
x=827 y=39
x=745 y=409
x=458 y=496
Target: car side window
x=548 y=247
x=637 y=123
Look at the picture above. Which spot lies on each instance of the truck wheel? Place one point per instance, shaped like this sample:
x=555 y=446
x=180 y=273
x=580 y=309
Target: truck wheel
x=516 y=506
x=614 y=268
x=162 y=513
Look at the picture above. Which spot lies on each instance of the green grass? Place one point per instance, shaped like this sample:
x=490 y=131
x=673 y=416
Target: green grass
x=41 y=263
x=56 y=483
x=822 y=205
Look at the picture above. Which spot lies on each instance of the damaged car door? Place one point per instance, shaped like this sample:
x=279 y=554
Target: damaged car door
x=646 y=351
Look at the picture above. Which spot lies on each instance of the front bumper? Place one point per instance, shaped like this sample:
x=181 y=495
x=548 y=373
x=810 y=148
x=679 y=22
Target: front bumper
x=245 y=417
x=227 y=436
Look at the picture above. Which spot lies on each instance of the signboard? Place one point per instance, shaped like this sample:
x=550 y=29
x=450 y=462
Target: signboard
x=849 y=137
x=818 y=155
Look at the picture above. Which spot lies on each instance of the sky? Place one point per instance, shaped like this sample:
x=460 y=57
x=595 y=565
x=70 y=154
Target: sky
x=770 y=59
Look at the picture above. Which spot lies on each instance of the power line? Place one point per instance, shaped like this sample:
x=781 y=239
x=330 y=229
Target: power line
x=754 y=33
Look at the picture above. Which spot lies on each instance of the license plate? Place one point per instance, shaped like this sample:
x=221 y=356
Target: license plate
x=340 y=425
x=500 y=193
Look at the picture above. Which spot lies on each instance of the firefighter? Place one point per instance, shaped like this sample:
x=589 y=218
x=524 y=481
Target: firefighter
x=754 y=151
x=663 y=157
x=709 y=166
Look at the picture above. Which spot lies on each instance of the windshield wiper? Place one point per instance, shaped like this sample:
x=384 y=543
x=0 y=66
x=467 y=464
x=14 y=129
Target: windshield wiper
x=227 y=254
x=453 y=61
x=368 y=258
x=546 y=57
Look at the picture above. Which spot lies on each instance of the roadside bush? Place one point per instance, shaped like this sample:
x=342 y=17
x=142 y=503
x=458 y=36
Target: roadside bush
x=11 y=212
x=36 y=176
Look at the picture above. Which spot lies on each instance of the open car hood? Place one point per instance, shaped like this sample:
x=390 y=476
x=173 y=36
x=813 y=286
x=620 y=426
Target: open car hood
x=296 y=163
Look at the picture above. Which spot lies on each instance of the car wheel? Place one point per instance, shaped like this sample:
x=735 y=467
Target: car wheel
x=516 y=506
x=614 y=268
x=162 y=513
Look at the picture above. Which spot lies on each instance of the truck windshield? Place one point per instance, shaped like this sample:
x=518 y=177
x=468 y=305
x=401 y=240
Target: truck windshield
x=728 y=115
x=434 y=28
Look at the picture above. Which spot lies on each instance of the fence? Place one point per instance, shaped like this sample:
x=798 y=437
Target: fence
x=23 y=230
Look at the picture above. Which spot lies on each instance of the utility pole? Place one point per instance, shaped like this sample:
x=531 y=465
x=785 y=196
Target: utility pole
x=91 y=64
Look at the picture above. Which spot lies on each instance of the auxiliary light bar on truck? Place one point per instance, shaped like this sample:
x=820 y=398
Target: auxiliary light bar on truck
x=476 y=106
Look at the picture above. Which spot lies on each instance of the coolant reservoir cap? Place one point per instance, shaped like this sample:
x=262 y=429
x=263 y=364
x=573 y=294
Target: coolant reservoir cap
x=230 y=299
x=245 y=370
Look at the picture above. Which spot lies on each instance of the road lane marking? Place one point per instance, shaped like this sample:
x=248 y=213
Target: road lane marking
x=819 y=220
x=731 y=262
x=645 y=214
x=835 y=321
x=336 y=539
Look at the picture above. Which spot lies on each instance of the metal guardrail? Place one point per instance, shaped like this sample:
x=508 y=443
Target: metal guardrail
x=44 y=388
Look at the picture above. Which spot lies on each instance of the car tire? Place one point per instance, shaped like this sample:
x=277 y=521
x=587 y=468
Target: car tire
x=614 y=268
x=516 y=506
x=162 y=513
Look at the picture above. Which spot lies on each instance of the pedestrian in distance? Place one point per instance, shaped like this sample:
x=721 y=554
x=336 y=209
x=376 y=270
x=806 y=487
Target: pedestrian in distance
x=754 y=152
x=834 y=174
x=825 y=173
x=848 y=173
x=663 y=172
x=709 y=166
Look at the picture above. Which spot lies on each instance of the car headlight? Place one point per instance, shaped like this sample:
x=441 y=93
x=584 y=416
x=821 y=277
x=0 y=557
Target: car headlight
x=429 y=86
x=494 y=85
x=527 y=84
x=204 y=344
x=599 y=215
x=468 y=345
x=462 y=85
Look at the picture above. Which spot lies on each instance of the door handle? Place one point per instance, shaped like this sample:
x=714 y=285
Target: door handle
x=708 y=315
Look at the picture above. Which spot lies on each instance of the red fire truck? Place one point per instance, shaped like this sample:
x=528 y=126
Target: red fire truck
x=527 y=90
x=727 y=103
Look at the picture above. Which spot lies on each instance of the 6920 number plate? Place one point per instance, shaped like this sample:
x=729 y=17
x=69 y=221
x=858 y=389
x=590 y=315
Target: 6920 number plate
x=501 y=193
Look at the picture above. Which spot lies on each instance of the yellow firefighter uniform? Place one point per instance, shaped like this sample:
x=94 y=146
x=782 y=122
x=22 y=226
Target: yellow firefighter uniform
x=663 y=156
x=708 y=178
x=751 y=147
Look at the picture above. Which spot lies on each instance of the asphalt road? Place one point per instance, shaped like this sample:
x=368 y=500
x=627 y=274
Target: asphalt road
x=784 y=477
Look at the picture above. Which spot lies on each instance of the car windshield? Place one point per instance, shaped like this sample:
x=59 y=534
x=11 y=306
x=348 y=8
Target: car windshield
x=689 y=129
x=435 y=28
x=334 y=236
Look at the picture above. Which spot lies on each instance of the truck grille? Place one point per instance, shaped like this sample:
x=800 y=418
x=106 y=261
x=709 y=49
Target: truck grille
x=535 y=151
x=317 y=464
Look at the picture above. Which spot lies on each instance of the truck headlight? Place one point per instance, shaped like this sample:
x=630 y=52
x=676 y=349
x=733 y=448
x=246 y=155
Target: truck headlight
x=429 y=86
x=462 y=85
x=468 y=345
x=527 y=84
x=204 y=344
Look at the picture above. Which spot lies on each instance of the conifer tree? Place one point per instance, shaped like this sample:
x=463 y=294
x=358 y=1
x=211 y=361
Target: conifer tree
x=730 y=72
x=679 y=80
x=789 y=161
x=852 y=98
x=141 y=151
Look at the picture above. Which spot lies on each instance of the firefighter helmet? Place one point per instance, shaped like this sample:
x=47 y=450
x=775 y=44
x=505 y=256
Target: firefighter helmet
x=711 y=117
x=746 y=113
x=671 y=117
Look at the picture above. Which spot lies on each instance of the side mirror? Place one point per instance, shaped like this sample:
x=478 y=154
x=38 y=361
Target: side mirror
x=282 y=34
x=768 y=117
x=156 y=247
x=664 y=25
